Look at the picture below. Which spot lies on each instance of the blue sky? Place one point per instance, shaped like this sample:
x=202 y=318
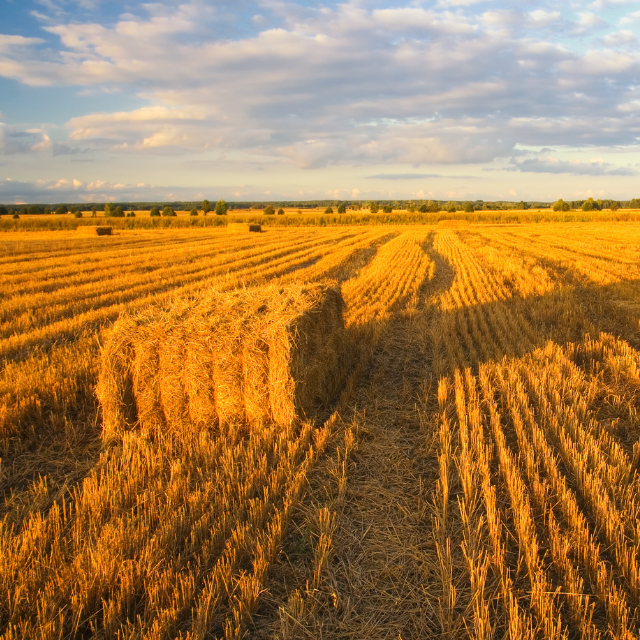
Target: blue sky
x=275 y=99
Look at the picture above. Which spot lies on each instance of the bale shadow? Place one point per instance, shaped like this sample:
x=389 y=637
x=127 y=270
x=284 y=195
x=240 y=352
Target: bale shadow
x=409 y=346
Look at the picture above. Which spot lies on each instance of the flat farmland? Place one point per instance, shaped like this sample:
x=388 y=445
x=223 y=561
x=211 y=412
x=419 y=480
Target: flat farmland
x=477 y=474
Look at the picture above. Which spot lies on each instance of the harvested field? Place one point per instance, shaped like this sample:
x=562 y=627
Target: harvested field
x=459 y=459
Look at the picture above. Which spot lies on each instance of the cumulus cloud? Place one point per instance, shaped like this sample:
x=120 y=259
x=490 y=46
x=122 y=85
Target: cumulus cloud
x=14 y=140
x=588 y=21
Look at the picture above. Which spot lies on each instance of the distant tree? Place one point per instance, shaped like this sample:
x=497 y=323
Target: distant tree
x=131 y=214
x=77 y=213
x=468 y=207
x=194 y=212
x=94 y=211
x=423 y=208
x=205 y=206
x=634 y=204
x=433 y=207
x=342 y=208
x=35 y=210
x=587 y=205
x=561 y=205
x=328 y=210
x=269 y=210
x=221 y=208
x=118 y=212
x=374 y=207
x=614 y=206
x=15 y=215
x=3 y=210
x=280 y=211
x=108 y=210
x=299 y=212
x=411 y=207
x=387 y=208
x=61 y=209
x=154 y=213
x=451 y=207
x=168 y=212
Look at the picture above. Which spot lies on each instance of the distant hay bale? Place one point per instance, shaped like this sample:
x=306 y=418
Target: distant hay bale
x=243 y=227
x=258 y=355
x=89 y=230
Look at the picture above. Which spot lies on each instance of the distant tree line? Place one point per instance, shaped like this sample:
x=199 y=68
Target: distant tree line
x=595 y=205
x=205 y=207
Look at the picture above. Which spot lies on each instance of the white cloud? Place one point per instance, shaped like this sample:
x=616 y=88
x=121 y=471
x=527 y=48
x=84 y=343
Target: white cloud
x=543 y=18
x=63 y=185
x=620 y=38
x=8 y=42
x=589 y=21
x=630 y=18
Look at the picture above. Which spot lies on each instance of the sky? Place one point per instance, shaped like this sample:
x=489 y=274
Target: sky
x=299 y=100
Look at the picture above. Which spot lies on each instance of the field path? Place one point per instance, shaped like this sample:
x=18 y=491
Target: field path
x=384 y=558
x=379 y=581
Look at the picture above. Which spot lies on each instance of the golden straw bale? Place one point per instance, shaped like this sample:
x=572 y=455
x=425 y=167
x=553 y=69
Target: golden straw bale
x=90 y=230
x=253 y=356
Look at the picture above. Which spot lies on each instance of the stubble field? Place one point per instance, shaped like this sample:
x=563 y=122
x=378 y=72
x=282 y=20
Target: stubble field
x=476 y=476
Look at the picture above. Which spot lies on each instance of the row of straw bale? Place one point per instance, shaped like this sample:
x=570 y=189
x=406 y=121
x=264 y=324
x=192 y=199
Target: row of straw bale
x=253 y=355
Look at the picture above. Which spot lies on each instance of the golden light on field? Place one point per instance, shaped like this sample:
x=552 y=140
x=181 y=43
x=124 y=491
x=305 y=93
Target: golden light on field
x=475 y=473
